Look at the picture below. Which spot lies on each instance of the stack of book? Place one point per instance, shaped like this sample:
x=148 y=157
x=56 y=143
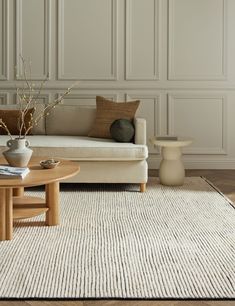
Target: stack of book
x=13 y=172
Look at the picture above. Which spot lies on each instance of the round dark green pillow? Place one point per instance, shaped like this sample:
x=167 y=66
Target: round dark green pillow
x=122 y=130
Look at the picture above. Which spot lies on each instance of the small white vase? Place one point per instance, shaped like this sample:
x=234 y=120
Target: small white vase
x=18 y=154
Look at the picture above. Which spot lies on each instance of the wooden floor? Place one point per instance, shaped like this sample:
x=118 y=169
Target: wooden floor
x=225 y=181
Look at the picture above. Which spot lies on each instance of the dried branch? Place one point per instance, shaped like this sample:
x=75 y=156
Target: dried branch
x=48 y=108
x=27 y=98
x=29 y=95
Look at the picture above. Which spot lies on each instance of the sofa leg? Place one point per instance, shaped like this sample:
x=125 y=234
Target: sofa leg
x=142 y=187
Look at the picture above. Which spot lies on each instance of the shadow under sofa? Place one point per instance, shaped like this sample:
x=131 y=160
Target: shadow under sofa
x=63 y=135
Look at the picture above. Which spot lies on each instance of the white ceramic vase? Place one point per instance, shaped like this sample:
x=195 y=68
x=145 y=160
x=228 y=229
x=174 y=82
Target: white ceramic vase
x=19 y=153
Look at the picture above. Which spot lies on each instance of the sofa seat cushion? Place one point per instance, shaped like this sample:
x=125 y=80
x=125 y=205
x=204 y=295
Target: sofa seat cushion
x=82 y=148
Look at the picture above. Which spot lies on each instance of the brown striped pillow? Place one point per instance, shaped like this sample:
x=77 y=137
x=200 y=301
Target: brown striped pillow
x=12 y=119
x=107 y=112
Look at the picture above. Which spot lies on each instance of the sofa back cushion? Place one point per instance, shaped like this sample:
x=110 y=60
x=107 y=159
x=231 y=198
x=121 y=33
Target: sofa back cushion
x=38 y=129
x=70 y=120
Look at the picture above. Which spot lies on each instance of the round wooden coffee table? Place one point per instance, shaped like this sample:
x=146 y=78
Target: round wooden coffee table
x=13 y=203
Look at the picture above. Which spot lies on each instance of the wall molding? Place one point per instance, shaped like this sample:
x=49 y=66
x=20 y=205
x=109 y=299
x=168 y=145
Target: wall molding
x=172 y=75
x=157 y=107
x=19 y=44
x=83 y=96
x=4 y=96
x=61 y=73
x=4 y=74
x=157 y=115
x=143 y=86
x=128 y=49
x=170 y=121
x=44 y=96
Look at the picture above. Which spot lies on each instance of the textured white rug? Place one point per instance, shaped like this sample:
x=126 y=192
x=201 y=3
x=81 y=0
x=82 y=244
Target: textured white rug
x=115 y=242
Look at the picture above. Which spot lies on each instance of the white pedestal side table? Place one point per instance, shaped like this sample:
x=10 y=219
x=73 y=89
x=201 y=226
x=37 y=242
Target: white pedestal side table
x=171 y=171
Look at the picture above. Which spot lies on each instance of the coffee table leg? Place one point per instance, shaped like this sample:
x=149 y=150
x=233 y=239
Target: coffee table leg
x=2 y=214
x=52 y=202
x=18 y=192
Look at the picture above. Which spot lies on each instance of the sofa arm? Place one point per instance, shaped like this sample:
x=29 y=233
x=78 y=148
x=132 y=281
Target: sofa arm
x=140 y=131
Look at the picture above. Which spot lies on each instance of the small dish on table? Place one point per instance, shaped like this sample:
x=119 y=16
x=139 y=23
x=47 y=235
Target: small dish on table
x=49 y=163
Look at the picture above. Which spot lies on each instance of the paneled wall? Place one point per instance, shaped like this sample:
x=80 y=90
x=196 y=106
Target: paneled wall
x=176 y=56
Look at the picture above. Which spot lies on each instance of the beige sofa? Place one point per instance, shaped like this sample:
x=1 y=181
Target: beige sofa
x=63 y=135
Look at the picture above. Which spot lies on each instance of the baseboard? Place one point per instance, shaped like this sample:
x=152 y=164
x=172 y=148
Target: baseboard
x=192 y=162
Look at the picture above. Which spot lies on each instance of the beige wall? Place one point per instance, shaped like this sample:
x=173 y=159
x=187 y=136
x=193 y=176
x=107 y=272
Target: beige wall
x=177 y=56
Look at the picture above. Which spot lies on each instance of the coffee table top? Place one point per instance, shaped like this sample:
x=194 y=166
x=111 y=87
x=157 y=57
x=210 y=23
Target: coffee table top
x=38 y=176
